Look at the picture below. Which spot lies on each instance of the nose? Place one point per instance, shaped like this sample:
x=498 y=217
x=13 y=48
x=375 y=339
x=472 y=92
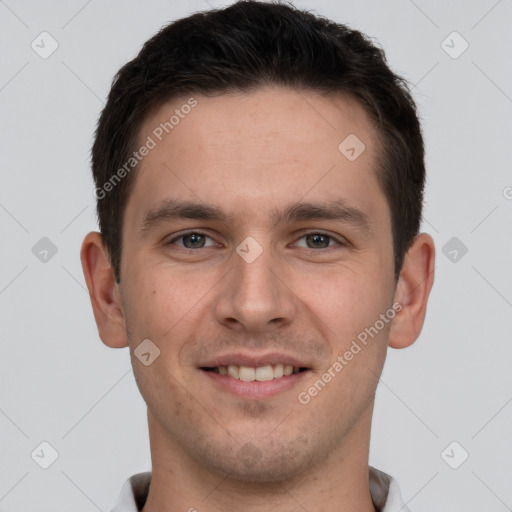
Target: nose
x=256 y=296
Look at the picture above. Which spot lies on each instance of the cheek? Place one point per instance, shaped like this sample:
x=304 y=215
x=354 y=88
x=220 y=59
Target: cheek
x=351 y=305
x=168 y=308
x=346 y=302
x=160 y=301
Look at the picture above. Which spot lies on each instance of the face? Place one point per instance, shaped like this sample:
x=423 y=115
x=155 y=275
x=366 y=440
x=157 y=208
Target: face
x=253 y=246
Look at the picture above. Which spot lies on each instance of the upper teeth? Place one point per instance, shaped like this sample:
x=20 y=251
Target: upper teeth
x=261 y=373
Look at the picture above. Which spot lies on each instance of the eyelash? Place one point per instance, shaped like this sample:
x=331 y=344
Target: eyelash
x=339 y=242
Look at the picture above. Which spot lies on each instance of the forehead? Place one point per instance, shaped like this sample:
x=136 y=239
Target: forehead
x=247 y=151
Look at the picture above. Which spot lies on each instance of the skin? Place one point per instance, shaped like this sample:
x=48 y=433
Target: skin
x=249 y=154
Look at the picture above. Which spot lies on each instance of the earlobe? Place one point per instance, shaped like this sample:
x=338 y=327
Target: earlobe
x=412 y=292
x=103 y=291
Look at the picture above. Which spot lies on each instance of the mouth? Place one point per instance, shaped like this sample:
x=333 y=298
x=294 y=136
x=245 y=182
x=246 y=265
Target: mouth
x=255 y=377
x=260 y=373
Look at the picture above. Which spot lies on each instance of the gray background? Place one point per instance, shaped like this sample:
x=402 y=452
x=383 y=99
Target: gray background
x=61 y=385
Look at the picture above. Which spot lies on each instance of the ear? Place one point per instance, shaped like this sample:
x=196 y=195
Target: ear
x=412 y=292
x=103 y=291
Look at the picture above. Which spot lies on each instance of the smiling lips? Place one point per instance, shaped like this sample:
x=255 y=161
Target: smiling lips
x=250 y=366
x=255 y=376
x=260 y=373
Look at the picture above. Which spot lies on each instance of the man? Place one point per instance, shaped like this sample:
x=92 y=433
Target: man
x=259 y=174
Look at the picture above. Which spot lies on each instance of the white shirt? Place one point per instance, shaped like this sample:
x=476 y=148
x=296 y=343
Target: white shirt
x=383 y=489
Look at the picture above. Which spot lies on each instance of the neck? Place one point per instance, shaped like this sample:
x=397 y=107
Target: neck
x=340 y=483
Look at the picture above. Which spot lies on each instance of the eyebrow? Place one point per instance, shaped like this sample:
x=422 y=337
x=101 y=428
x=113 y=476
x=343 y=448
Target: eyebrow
x=338 y=210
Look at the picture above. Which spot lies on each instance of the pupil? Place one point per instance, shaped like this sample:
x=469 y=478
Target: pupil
x=319 y=240
x=195 y=240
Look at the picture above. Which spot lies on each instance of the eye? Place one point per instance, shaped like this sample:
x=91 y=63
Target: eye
x=313 y=240
x=192 y=240
x=318 y=240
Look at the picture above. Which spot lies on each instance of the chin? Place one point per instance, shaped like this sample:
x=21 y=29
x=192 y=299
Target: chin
x=261 y=462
